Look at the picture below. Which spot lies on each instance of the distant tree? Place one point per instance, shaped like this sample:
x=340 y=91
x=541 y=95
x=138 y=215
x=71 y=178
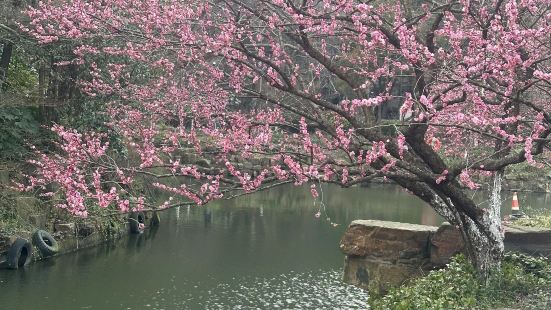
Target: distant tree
x=249 y=87
x=8 y=10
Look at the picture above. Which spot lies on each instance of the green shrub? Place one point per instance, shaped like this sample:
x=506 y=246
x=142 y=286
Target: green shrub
x=19 y=127
x=22 y=77
x=88 y=114
x=459 y=287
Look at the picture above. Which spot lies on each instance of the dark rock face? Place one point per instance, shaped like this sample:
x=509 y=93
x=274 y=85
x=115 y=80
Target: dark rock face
x=378 y=275
x=85 y=229
x=65 y=228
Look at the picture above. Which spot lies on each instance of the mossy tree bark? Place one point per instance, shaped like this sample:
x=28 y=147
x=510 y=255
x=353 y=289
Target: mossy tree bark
x=5 y=59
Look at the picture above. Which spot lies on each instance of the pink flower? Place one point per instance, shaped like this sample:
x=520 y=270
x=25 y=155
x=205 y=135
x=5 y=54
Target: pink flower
x=313 y=191
x=442 y=177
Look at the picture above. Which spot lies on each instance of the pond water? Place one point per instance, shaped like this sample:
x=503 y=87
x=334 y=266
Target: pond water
x=262 y=251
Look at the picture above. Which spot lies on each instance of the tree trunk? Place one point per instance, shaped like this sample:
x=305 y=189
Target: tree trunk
x=485 y=240
x=42 y=71
x=481 y=231
x=5 y=59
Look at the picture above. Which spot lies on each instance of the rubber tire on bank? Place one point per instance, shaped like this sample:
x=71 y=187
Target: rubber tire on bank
x=19 y=254
x=135 y=219
x=45 y=243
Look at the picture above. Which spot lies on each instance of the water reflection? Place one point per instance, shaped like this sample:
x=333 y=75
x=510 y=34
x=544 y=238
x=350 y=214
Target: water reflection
x=262 y=251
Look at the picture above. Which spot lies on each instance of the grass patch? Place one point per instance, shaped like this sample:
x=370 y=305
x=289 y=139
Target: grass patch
x=538 y=219
x=521 y=278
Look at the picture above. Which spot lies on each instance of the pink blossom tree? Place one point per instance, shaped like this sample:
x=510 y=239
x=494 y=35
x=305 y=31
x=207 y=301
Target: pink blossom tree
x=221 y=97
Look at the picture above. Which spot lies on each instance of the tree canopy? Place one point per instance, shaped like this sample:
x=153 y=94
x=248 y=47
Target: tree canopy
x=215 y=97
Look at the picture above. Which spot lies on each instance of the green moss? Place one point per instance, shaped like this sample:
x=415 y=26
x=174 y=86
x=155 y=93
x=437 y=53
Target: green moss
x=459 y=287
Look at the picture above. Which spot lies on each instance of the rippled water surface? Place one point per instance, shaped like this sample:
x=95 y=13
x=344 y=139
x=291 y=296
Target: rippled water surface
x=263 y=251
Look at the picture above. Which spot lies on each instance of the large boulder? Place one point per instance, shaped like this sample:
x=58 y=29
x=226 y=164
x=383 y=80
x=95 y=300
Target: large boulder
x=390 y=241
x=445 y=243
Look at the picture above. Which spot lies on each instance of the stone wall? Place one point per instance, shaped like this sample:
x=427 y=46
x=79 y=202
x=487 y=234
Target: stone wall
x=381 y=254
x=74 y=235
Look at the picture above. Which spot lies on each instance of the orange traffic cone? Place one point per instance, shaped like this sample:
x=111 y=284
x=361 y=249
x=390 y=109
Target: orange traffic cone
x=515 y=208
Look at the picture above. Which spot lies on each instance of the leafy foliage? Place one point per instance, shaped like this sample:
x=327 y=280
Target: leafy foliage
x=459 y=287
x=22 y=77
x=471 y=79
x=9 y=219
x=87 y=114
x=18 y=126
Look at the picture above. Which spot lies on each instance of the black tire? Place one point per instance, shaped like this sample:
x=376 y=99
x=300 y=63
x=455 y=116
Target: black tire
x=19 y=254
x=45 y=243
x=135 y=219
